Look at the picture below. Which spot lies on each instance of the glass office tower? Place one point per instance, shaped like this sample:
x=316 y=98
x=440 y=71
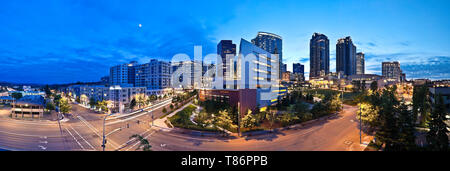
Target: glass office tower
x=346 y=56
x=271 y=43
x=319 y=54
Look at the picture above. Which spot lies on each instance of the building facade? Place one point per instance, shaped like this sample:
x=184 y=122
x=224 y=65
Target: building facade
x=346 y=56
x=271 y=43
x=284 y=68
x=360 y=65
x=119 y=96
x=298 y=72
x=392 y=71
x=245 y=97
x=444 y=92
x=28 y=106
x=319 y=55
x=122 y=74
x=286 y=76
x=256 y=72
x=226 y=50
x=153 y=75
x=254 y=83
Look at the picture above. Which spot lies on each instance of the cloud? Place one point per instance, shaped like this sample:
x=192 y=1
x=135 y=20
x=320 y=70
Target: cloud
x=100 y=34
x=371 y=44
x=414 y=65
x=405 y=43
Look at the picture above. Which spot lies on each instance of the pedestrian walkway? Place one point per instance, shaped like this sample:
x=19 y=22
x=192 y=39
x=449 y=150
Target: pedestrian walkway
x=161 y=123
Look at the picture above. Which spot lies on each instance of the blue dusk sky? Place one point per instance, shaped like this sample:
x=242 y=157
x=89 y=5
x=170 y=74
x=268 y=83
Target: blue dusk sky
x=63 y=41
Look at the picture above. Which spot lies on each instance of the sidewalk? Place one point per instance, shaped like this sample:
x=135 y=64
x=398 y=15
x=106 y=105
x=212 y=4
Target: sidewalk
x=161 y=123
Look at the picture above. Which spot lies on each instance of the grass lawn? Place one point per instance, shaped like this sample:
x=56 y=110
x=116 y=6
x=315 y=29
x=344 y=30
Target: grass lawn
x=181 y=120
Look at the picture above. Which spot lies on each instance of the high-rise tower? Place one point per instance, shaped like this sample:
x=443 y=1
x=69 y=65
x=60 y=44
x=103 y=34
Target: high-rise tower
x=319 y=54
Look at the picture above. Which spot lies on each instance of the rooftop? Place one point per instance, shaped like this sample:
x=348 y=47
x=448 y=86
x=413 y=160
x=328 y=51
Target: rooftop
x=6 y=98
x=269 y=34
x=31 y=99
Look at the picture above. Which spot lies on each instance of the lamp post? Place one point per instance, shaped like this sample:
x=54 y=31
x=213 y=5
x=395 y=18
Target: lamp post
x=104 y=137
x=239 y=118
x=360 y=111
x=360 y=123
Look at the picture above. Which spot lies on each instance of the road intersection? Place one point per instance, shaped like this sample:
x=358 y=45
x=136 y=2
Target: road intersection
x=84 y=129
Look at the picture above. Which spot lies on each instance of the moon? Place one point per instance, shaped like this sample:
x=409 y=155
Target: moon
x=140 y=25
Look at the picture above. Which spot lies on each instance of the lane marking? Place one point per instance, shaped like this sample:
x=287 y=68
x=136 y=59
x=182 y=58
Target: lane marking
x=139 y=115
x=132 y=139
x=49 y=123
x=140 y=142
x=132 y=113
x=96 y=131
x=26 y=135
x=81 y=137
x=74 y=138
x=89 y=125
x=42 y=147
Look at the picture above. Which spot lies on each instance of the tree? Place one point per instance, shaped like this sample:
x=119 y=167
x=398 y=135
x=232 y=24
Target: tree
x=16 y=95
x=388 y=132
x=48 y=93
x=249 y=120
x=406 y=121
x=374 y=86
x=103 y=106
x=171 y=106
x=57 y=99
x=369 y=115
x=271 y=116
x=356 y=86
x=320 y=109
x=421 y=104
x=437 y=138
x=140 y=100
x=84 y=99
x=335 y=103
x=64 y=105
x=50 y=106
x=287 y=118
x=78 y=99
x=164 y=110
x=132 y=103
x=223 y=120
x=144 y=144
x=203 y=119
x=92 y=102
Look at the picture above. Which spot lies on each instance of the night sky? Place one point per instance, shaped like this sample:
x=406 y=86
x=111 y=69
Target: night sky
x=63 y=41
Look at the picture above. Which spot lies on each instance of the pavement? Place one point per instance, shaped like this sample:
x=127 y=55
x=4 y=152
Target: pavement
x=84 y=132
x=161 y=122
x=339 y=133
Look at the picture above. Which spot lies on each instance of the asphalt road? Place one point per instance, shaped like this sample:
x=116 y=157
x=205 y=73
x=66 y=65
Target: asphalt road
x=84 y=131
x=338 y=133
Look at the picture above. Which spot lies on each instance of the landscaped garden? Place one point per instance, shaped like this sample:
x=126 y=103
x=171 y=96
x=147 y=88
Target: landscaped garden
x=182 y=120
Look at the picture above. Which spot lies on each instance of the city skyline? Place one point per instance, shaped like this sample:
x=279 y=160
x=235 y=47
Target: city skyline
x=78 y=41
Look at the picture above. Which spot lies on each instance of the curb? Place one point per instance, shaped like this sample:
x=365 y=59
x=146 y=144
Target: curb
x=299 y=125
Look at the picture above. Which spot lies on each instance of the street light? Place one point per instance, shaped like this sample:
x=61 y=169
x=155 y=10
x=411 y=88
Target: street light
x=360 y=111
x=360 y=122
x=104 y=137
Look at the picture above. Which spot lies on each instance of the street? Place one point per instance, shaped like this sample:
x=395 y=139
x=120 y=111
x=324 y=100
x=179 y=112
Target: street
x=84 y=132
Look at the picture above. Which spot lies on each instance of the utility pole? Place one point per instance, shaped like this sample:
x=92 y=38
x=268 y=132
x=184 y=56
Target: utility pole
x=239 y=118
x=360 y=111
x=360 y=123
x=104 y=137
x=342 y=94
x=58 y=117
